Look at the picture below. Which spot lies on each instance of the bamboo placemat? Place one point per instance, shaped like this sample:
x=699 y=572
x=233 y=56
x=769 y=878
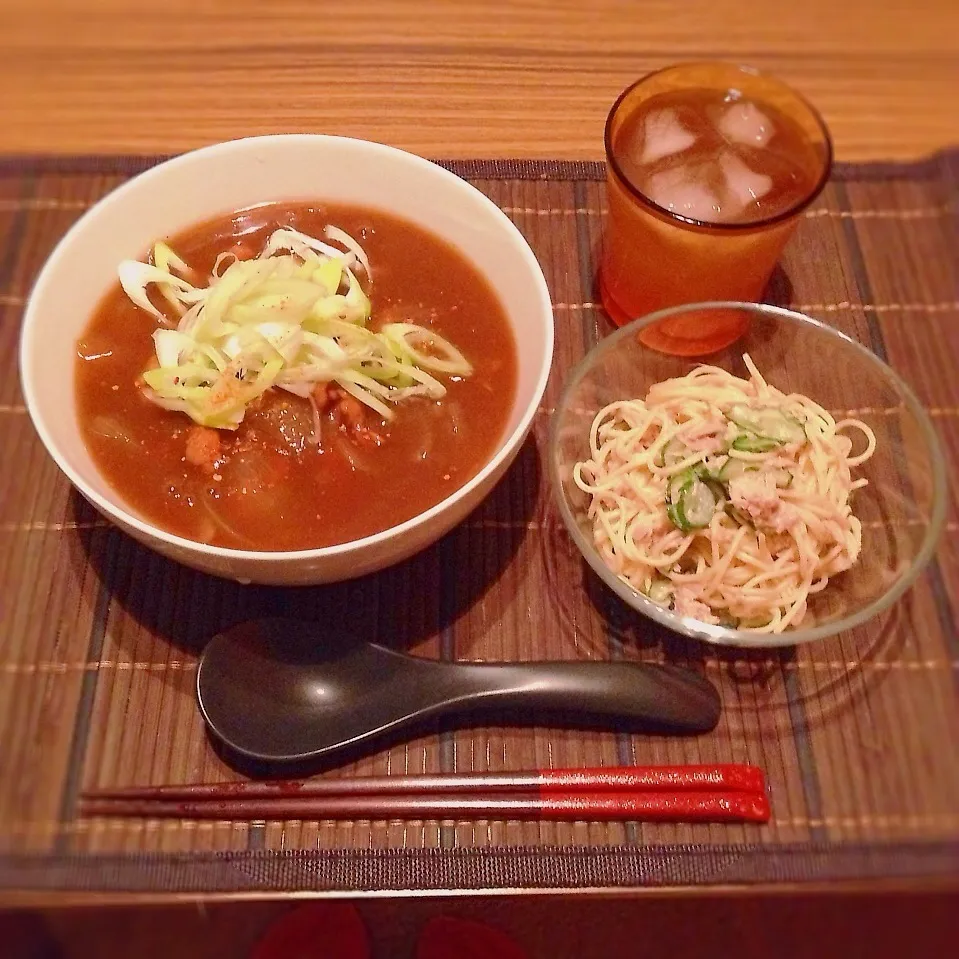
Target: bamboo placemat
x=99 y=637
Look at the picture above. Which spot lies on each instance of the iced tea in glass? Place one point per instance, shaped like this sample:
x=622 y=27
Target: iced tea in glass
x=709 y=166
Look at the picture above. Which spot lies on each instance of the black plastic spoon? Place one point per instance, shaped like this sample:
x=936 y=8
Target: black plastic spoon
x=281 y=691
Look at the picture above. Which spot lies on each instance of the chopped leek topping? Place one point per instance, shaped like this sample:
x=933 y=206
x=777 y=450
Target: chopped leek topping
x=294 y=317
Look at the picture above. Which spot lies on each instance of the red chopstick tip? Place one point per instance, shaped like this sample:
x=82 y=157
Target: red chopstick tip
x=719 y=777
x=755 y=808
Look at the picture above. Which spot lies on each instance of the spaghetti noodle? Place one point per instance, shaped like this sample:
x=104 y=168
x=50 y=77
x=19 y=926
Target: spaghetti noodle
x=723 y=498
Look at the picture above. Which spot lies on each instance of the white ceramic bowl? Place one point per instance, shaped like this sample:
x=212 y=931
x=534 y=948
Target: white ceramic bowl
x=226 y=177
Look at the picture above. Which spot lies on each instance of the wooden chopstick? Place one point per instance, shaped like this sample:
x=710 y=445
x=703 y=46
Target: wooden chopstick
x=732 y=777
x=691 y=806
x=718 y=793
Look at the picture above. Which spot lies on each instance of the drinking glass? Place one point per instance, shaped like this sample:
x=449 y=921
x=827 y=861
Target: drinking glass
x=656 y=257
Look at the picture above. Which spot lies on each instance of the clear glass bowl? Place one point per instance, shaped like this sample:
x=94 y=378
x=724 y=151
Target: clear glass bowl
x=902 y=509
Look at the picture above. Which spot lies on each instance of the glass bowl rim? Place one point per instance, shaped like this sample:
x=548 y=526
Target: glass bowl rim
x=723 y=635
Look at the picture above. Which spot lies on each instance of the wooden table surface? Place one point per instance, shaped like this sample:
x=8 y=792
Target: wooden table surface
x=452 y=79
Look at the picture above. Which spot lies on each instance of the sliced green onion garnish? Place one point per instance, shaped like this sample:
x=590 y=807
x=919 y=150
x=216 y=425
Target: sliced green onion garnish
x=426 y=349
x=294 y=317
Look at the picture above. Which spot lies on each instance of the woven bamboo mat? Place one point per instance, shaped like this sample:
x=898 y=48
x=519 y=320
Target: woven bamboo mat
x=99 y=637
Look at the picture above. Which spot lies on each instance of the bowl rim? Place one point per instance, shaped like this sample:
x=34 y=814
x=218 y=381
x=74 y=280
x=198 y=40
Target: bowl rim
x=723 y=635
x=118 y=512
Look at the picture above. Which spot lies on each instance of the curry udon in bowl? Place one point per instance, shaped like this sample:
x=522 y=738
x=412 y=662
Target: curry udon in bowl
x=288 y=359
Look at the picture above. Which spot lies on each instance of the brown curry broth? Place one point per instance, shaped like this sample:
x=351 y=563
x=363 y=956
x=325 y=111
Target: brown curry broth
x=282 y=493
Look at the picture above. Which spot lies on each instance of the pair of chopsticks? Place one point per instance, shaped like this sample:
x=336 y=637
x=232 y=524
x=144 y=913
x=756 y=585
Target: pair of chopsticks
x=720 y=793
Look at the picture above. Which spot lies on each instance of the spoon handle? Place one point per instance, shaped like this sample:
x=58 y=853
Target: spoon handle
x=666 y=697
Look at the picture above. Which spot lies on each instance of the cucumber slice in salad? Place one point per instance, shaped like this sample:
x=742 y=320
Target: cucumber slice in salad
x=660 y=592
x=768 y=424
x=736 y=514
x=734 y=468
x=673 y=452
x=677 y=483
x=691 y=500
x=748 y=443
x=697 y=504
x=782 y=478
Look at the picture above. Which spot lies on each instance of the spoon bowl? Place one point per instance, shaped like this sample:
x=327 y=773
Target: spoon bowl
x=279 y=690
